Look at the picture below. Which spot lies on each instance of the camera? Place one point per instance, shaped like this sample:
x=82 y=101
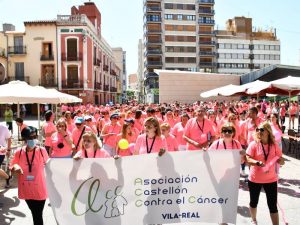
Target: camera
x=60 y=145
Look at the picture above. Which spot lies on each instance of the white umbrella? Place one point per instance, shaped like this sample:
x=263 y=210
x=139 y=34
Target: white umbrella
x=216 y=91
x=242 y=89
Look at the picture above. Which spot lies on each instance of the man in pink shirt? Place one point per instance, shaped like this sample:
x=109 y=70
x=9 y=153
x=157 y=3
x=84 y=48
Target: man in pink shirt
x=199 y=132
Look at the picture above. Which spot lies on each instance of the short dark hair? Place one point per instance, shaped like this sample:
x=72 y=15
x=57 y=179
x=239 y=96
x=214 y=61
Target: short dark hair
x=28 y=131
x=19 y=120
x=48 y=114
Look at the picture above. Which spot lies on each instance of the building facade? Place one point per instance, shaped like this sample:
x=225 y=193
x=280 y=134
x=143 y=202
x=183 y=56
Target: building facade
x=140 y=71
x=120 y=59
x=178 y=36
x=68 y=53
x=241 y=50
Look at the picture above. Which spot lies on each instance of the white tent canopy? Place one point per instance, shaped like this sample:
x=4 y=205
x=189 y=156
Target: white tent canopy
x=242 y=88
x=216 y=91
x=22 y=93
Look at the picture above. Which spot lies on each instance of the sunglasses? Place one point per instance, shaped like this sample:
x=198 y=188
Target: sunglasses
x=229 y=131
x=260 y=130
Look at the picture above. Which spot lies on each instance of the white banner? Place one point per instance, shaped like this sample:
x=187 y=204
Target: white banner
x=193 y=186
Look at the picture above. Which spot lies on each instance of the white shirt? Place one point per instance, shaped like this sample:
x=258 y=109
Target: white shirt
x=4 y=135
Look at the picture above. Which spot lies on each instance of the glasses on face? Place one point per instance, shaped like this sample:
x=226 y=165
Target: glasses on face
x=87 y=140
x=229 y=131
x=260 y=129
x=59 y=126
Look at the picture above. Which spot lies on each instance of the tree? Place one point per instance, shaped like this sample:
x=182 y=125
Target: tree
x=130 y=94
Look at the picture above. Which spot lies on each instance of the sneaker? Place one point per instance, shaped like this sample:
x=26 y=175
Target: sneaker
x=254 y=222
x=243 y=174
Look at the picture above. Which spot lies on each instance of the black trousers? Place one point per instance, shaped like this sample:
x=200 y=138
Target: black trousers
x=271 y=194
x=36 y=207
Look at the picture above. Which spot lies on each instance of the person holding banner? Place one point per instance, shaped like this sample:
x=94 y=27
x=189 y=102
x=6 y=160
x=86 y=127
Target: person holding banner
x=29 y=162
x=151 y=141
x=262 y=155
x=199 y=132
x=91 y=147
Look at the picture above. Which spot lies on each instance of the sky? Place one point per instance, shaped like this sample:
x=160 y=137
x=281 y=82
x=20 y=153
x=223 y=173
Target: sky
x=122 y=20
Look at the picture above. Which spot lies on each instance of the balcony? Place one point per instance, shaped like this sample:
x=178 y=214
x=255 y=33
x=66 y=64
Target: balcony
x=152 y=31
x=206 y=11
x=206 y=33
x=151 y=75
x=71 y=57
x=156 y=20
x=153 y=63
x=16 y=50
x=113 y=89
x=48 y=83
x=72 y=84
x=47 y=57
x=208 y=2
x=207 y=64
x=207 y=42
x=153 y=52
x=113 y=72
x=21 y=78
x=97 y=62
x=153 y=42
x=98 y=85
x=153 y=9
x=207 y=53
x=206 y=22
x=105 y=68
x=106 y=87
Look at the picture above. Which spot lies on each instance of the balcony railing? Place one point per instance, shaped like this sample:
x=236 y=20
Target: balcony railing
x=209 y=22
x=97 y=62
x=71 y=57
x=206 y=33
x=72 y=83
x=105 y=68
x=148 y=42
x=207 y=53
x=152 y=31
x=206 y=11
x=157 y=20
x=113 y=89
x=47 y=57
x=113 y=72
x=207 y=42
x=206 y=1
x=154 y=63
x=98 y=85
x=207 y=64
x=16 y=50
x=153 y=9
x=106 y=87
x=153 y=52
x=48 y=82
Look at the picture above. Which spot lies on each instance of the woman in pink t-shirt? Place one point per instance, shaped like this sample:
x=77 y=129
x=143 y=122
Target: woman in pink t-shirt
x=29 y=163
x=276 y=129
x=263 y=154
x=151 y=141
x=61 y=141
x=130 y=133
x=292 y=112
x=91 y=147
x=49 y=129
x=171 y=140
x=178 y=131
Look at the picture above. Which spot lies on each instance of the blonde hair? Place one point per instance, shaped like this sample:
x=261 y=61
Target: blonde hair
x=153 y=121
x=91 y=135
x=165 y=125
x=229 y=125
x=62 y=121
x=267 y=127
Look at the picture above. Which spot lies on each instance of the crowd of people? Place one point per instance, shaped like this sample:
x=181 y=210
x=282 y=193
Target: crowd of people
x=88 y=131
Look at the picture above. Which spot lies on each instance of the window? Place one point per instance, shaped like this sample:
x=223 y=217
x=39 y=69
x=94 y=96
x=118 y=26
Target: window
x=179 y=6
x=234 y=46
x=191 y=60
x=222 y=56
x=246 y=46
x=179 y=17
x=240 y=56
x=256 y=56
x=190 y=7
x=227 y=46
x=261 y=57
x=261 y=47
x=267 y=47
x=234 y=65
x=19 y=71
x=272 y=57
x=228 y=56
x=168 y=6
x=221 y=45
x=277 y=57
x=272 y=47
x=234 y=55
x=190 y=17
x=227 y=65
x=180 y=59
x=277 y=47
x=168 y=16
x=169 y=59
x=169 y=49
x=240 y=46
x=267 y=57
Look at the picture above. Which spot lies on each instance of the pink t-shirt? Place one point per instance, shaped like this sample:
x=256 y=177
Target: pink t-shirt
x=198 y=131
x=100 y=153
x=159 y=143
x=139 y=124
x=70 y=127
x=178 y=131
x=277 y=132
x=172 y=143
x=76 y=134
x=131 y=140
x=221 y=145
x=257 y=174
x=48 y=127
x=111 y=140
x=31 y=185
x=56 y=139
x=292 y=110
